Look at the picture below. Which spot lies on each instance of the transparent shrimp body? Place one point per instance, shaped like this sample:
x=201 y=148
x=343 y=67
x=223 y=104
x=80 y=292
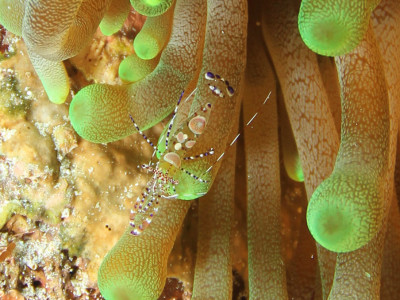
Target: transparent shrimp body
x=170 y=179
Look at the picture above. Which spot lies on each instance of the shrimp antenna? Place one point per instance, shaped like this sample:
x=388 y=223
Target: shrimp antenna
x=238 y=135
x=142 y=134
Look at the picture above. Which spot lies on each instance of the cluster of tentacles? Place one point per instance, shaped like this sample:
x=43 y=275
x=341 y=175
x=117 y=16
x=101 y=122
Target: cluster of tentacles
x=352 y=212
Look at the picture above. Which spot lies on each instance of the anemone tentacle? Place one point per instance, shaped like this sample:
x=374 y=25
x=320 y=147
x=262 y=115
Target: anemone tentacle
x=334 y=27
x=154 y=35
x=309 y=114
x=115 y=16
x=99 y=113
x=56 y=40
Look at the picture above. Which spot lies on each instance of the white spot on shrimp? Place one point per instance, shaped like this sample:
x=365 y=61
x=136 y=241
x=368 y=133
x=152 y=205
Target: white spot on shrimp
x=197 y=124
x=173 y=159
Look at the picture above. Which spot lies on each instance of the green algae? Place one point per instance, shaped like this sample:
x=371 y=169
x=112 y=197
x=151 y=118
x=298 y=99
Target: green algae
x=12 y=100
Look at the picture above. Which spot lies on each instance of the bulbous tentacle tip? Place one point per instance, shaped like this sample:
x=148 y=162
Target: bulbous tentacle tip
x=78 y=112
x=128 y=273
x=332 y=32
x=146 y=46
x=151 y=8
x=99 y=113
x=115 y=17
x=341 y=217
x=11 y=15
x=332 y=228
x=58 y=95
x=120 y=291
x=133 y=68
x=53 y=76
